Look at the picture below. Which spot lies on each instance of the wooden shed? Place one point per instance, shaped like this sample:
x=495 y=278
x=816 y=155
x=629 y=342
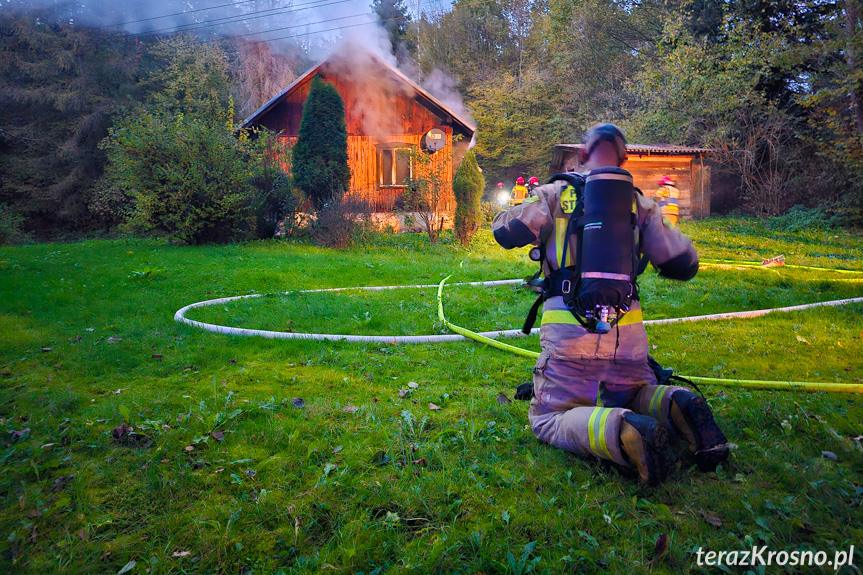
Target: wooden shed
x=648 y=163
x=387 y=114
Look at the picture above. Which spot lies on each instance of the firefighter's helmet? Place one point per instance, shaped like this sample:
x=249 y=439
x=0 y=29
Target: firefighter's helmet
x=534 y=181
x=519 y=181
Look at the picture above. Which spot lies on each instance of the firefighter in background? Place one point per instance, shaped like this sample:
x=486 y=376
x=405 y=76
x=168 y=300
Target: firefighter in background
x=531 y=185
x=596 y=394
x=667 y=196
x=519 y=192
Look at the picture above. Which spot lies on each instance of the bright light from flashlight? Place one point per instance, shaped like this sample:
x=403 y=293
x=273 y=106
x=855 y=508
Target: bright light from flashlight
x=503 y=198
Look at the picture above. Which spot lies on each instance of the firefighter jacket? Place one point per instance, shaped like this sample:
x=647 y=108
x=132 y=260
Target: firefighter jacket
x=519 y=193
x=667 y=197
x=577 y=367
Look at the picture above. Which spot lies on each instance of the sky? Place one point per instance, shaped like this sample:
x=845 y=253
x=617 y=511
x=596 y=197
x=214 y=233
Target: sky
x=314 y=24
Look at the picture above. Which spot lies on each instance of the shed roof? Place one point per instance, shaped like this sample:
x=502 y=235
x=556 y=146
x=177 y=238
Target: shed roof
x=662 y=149
x=421 y=94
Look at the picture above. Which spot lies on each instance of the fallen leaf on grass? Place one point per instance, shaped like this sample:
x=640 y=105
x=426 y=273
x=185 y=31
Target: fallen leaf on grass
x=350 y=409
x=157 y=356
x=715 y=521
x=829 y=455
x=20 y=433
x=413 y=384
x=433 y=407
x=503 y=399
x=218 y=435
x=189 y=448
x=421 y=461
x=47 y=349
x=251 y=473
x=403 y=393
x=380 y=458
x=337 y=448
x=181 y=553
x=802 y=339
x=660 y=549
x=298 y=402
x=61 y=482
x=114 y=340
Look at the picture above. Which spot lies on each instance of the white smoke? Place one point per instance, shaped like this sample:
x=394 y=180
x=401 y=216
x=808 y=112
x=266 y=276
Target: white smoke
x=318 y=27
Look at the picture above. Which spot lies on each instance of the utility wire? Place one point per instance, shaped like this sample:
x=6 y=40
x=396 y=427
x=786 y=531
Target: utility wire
x=230 y=4
x=302 y=25
x=302 y=34
x=174 y=14
x=354 y=25
x=241 y=17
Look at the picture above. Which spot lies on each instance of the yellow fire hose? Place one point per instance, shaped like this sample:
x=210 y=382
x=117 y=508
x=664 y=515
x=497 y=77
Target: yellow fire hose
x=752 y=264
x=739 y=383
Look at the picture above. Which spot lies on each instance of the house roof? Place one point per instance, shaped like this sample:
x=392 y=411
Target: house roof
x=421 y=94
x=663 y=149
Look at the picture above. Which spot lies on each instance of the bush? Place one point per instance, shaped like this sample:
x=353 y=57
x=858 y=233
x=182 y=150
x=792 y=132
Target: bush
x=489 y=211
x=320 y=156
x=11 y=226
x=468 y=186
x=340 y=221
x=802 y=219
x=192 y=179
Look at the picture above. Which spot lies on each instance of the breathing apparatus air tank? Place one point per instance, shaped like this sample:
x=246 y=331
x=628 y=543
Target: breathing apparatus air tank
x=608 y=259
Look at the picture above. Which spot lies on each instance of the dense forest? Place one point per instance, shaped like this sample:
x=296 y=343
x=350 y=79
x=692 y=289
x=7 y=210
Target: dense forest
x=773 y=87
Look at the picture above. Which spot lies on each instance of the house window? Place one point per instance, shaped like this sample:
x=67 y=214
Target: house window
x=394 y=166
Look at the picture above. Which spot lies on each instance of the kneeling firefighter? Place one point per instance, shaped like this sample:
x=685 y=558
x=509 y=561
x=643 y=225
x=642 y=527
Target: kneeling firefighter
x=594 y=391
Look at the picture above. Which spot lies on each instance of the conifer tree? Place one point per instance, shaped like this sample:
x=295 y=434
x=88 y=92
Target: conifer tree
x=467 y=187
x=320 y=156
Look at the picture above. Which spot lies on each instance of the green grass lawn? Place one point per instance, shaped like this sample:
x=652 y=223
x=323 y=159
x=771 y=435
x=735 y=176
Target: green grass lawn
x=222 y=473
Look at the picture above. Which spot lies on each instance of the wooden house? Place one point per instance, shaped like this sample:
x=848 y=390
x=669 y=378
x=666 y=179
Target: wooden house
x=648 y=163
x=387 y=115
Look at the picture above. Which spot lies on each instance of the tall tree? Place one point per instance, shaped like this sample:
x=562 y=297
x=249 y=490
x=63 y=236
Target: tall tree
x=467 y=186
x=59 y=85
x=393 y=15
x=320 y=156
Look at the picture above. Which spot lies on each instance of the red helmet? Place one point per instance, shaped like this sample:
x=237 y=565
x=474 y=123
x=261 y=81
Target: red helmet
x=519 y=181
x=666 y=181
x=533 y=180
x=500 y=184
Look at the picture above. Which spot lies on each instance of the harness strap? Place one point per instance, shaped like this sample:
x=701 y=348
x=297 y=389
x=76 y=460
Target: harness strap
x=530 y=320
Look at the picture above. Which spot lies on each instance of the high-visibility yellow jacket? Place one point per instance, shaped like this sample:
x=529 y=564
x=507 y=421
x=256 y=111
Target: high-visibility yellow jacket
x=666 y=197
x=519 y=193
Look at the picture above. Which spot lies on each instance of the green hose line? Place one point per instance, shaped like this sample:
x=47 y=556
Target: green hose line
x=761 y=265
x=738 y=383
x=472 y=334
x=780 y=385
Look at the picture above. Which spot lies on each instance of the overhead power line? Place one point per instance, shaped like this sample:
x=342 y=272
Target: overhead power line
x=242 y=17
x=458 y=6
x=177 y=14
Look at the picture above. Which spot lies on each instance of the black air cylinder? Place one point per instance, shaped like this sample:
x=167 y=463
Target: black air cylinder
x=608 y=263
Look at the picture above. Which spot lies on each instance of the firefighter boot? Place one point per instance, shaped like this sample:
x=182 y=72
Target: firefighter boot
x=644 y=442
x=694 y=422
